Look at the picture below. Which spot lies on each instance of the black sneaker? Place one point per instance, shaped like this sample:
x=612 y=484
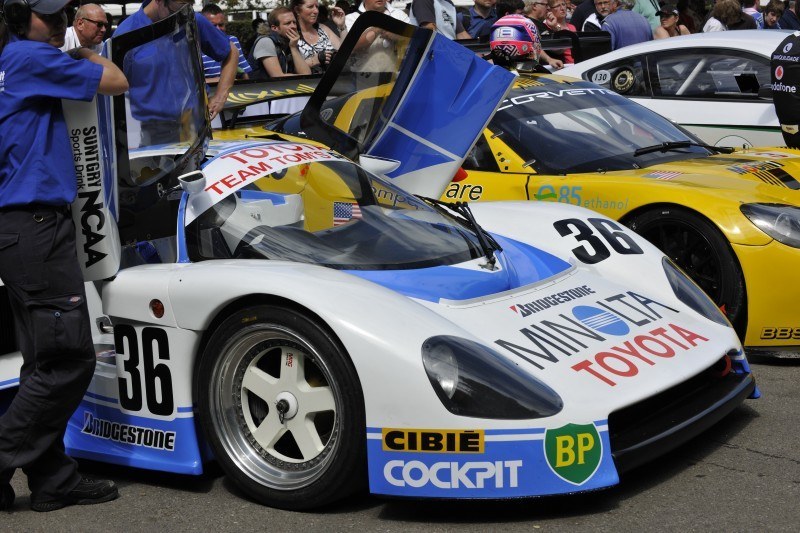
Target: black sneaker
x=86 y=492
x=6 y=497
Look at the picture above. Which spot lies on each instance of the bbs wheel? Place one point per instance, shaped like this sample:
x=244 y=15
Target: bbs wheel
x=281 y=406
x=698 y=247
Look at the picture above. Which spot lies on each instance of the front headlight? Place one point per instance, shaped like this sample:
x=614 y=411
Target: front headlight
x=781 y=222
x=473 y=380
x=689 y=293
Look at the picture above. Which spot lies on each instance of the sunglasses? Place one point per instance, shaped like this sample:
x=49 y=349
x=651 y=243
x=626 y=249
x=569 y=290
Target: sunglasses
x=97 y=23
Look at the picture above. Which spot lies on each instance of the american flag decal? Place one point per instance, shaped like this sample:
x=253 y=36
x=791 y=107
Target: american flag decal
x=663 y=174
x=344 y=212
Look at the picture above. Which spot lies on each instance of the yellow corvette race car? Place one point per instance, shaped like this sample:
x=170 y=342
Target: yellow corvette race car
x=729 y=218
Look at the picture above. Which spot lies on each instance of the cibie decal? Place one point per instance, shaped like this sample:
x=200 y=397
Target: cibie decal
x=573 y=452
x=779 y=72
x=432 y=440
x=245 y=166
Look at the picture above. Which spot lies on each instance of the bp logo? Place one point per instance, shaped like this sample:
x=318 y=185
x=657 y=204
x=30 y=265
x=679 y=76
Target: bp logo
x=573 y=452
x=600 y=320
x=779 y=72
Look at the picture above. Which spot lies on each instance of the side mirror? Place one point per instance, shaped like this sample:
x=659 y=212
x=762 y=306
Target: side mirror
x=378 y=165
x=193 y=182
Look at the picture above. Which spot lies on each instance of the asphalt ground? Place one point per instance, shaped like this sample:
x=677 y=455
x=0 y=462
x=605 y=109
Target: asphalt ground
x=741 y=475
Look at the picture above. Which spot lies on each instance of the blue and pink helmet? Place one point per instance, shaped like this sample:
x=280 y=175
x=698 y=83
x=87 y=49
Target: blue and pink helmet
x=514 y=38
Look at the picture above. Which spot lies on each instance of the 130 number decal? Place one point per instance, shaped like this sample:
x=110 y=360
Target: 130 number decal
x=139 y=367
x=593 y=250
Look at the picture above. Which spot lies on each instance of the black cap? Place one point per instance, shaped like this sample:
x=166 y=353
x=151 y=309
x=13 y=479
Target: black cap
x=667 y=10
x=46 y=7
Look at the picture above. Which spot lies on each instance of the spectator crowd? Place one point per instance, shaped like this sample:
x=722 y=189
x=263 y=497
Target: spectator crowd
x=301 y=38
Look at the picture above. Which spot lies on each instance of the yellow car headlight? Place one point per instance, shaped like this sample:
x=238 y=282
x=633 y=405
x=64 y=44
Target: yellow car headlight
x=781 y=222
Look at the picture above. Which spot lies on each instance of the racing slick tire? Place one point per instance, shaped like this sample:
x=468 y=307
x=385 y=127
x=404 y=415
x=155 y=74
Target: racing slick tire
x=700 y=249
x=282 y=408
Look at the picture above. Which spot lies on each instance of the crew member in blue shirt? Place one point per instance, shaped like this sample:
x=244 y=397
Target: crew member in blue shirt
x=38 y=259
x=213 y=43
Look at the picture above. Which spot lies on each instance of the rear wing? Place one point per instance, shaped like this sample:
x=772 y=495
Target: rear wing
x=243 y=106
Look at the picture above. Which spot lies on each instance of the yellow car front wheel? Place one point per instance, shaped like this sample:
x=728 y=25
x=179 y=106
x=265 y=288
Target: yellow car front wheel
x=700 y=249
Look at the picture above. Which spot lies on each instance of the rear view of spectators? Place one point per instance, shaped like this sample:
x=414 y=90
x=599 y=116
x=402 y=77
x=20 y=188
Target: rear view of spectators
x=439 y=16
x=626 y=27
x=789 y=20
x=509 y=7
x=749 y=7
x=728 y=15
x=581 y=12
x=479 y=19
x=648 y=9
x=688 y=17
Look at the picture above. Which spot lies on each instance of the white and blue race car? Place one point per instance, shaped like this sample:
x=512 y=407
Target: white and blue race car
x=316 y=329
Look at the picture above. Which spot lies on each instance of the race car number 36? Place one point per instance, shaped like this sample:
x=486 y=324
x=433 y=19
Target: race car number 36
x=593 y=250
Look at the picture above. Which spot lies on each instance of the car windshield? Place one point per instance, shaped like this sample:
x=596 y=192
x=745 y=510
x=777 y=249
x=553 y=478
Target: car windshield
x=317 y=207
x=584 y=128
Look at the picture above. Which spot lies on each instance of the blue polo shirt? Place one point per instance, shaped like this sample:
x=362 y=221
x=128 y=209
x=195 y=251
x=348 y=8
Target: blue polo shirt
x=155 y=95
x=479 y=26
x=213 y=42
x=35 y=153
x=213 y=68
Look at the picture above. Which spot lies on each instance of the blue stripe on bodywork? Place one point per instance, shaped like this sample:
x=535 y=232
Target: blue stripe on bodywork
x=7 y=384
x=522 y=265
x=183 y=252
x=505 y=469
x=183 y=459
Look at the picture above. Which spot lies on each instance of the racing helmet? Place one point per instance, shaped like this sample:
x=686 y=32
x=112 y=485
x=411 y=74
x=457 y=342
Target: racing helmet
x=514 y=38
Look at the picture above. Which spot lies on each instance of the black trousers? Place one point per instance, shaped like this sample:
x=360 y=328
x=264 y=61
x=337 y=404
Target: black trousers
x=39 y=266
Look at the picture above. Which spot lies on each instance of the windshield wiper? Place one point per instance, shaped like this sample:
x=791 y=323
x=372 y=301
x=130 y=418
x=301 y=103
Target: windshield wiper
x=467 y=219
x=675 y=145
